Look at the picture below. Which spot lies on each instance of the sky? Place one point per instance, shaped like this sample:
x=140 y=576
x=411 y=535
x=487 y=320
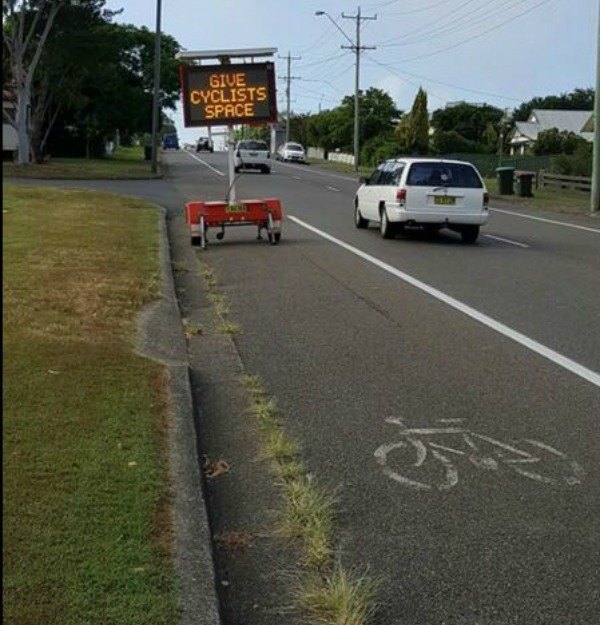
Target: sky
x=501 y=52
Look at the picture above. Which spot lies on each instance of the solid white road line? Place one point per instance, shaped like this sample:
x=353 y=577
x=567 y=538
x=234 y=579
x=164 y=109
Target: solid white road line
x=491 y=236
x=333 y=189
x=538 y=348
x=205 y=163
x=296 y=177
x=549 y=221
x=309 y=169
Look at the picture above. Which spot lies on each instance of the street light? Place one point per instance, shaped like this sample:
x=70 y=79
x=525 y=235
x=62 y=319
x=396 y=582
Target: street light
x=319 y=13
x=356 y=47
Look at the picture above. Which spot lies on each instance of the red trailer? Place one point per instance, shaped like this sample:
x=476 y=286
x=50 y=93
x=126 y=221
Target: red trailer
x=264 y=214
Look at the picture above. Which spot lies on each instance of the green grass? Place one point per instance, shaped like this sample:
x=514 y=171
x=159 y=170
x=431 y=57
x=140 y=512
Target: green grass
x=125 y=163
x=86 y=512
x=341 y=167
x=552 y=199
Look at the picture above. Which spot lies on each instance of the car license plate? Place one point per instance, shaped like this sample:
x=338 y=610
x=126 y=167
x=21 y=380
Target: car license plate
x=236 y=208
x=444 y=200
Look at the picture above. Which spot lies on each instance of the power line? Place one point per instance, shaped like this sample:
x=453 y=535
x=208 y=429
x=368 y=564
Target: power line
x=441 y=18
x=446 y=84
x=485 y=32
x=327 y=60
x=448 y=29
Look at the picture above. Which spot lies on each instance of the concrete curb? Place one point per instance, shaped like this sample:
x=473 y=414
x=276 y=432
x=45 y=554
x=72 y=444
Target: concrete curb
x=161 y=338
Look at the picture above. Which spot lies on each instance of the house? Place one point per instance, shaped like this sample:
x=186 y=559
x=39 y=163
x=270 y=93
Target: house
x=10 y=141
x=525 y=134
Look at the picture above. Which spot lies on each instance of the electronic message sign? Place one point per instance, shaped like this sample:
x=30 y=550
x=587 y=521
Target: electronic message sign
x=220 y=95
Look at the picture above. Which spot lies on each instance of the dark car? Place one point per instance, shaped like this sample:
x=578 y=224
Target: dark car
x=204 y=143
x=170 y=142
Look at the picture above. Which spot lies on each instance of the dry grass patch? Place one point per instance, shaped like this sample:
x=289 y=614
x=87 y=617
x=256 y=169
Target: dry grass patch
x=229 y=327
x=338 y=598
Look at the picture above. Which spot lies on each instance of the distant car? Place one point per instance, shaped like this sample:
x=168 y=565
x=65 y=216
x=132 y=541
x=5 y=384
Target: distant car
x=204 y=143
x=252 y=154
x=424 y=192
x=170 y=142
x=292 y=152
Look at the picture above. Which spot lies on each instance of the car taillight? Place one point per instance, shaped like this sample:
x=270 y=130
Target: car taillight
x=486 y=200
x=401 y=196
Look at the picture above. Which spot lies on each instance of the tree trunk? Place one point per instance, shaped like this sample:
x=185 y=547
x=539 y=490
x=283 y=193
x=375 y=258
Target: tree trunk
x=23 y=103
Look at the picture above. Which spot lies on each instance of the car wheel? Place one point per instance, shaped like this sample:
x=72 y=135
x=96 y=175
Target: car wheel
x=469 y=233
x=236 y=170
x=266 y=170
x=386 y=228
x=359 y=220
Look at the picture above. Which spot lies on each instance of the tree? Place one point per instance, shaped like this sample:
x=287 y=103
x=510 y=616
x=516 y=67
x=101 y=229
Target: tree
x=26 y=27
x=110 y=84
x=468 y=120
x=553 y=141
x=490 y=136
x=419 y=124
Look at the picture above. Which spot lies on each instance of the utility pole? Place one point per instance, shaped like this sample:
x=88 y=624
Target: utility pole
x=156 y=95
x=357 y=49
x=288 y=79
x=595 y=197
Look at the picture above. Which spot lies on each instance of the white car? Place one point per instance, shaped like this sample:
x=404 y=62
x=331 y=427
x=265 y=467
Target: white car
x=252 y=154
x=426 y=192
x=293 y=152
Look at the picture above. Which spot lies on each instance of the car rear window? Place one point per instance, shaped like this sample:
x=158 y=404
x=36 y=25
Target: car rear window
x=252 y=145
x=443 y=175
x=294 y=146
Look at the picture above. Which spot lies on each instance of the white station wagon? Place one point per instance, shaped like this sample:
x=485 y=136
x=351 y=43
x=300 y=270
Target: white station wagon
x=426 y=192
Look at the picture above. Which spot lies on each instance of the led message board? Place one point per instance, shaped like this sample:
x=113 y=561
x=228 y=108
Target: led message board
x=219 y=95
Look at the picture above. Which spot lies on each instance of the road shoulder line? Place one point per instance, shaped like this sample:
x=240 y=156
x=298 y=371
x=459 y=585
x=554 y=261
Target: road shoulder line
x=556 y=222
x=217 y=171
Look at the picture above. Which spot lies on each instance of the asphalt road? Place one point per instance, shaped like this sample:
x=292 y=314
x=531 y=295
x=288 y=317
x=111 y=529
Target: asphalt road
x=486 y=513
x=346 y=345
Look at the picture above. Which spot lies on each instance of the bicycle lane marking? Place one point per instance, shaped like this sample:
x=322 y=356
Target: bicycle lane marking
x=558 y=359
x=477 y=457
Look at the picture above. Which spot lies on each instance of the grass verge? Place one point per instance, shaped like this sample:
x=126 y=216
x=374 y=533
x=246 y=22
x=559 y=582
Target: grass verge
x=568 y=201
x=125 y=163
x=86 y=507
x=326 y=591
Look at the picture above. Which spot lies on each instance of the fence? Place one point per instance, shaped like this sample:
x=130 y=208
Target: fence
x=486 y=163
x=340 y=157
x=582 y=183
x=316 y=153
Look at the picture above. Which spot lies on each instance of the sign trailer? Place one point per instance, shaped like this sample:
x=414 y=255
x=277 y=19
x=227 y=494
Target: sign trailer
x=228 y=94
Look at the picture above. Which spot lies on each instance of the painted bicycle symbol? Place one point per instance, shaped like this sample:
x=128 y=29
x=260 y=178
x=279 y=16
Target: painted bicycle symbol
x=405 y=461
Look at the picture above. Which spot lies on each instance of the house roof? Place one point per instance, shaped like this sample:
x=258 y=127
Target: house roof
x=571 y=121
x=544 y=119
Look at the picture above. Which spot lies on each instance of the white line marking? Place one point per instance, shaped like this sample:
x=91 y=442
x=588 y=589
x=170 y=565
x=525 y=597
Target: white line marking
x=205 y=163
x=549 y=221
x=333 y=189
x=296 y=177
x=491 y=236
x=538 y=348
x=321 y=173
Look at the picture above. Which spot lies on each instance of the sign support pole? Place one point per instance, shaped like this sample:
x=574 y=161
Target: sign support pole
x=230 y=158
